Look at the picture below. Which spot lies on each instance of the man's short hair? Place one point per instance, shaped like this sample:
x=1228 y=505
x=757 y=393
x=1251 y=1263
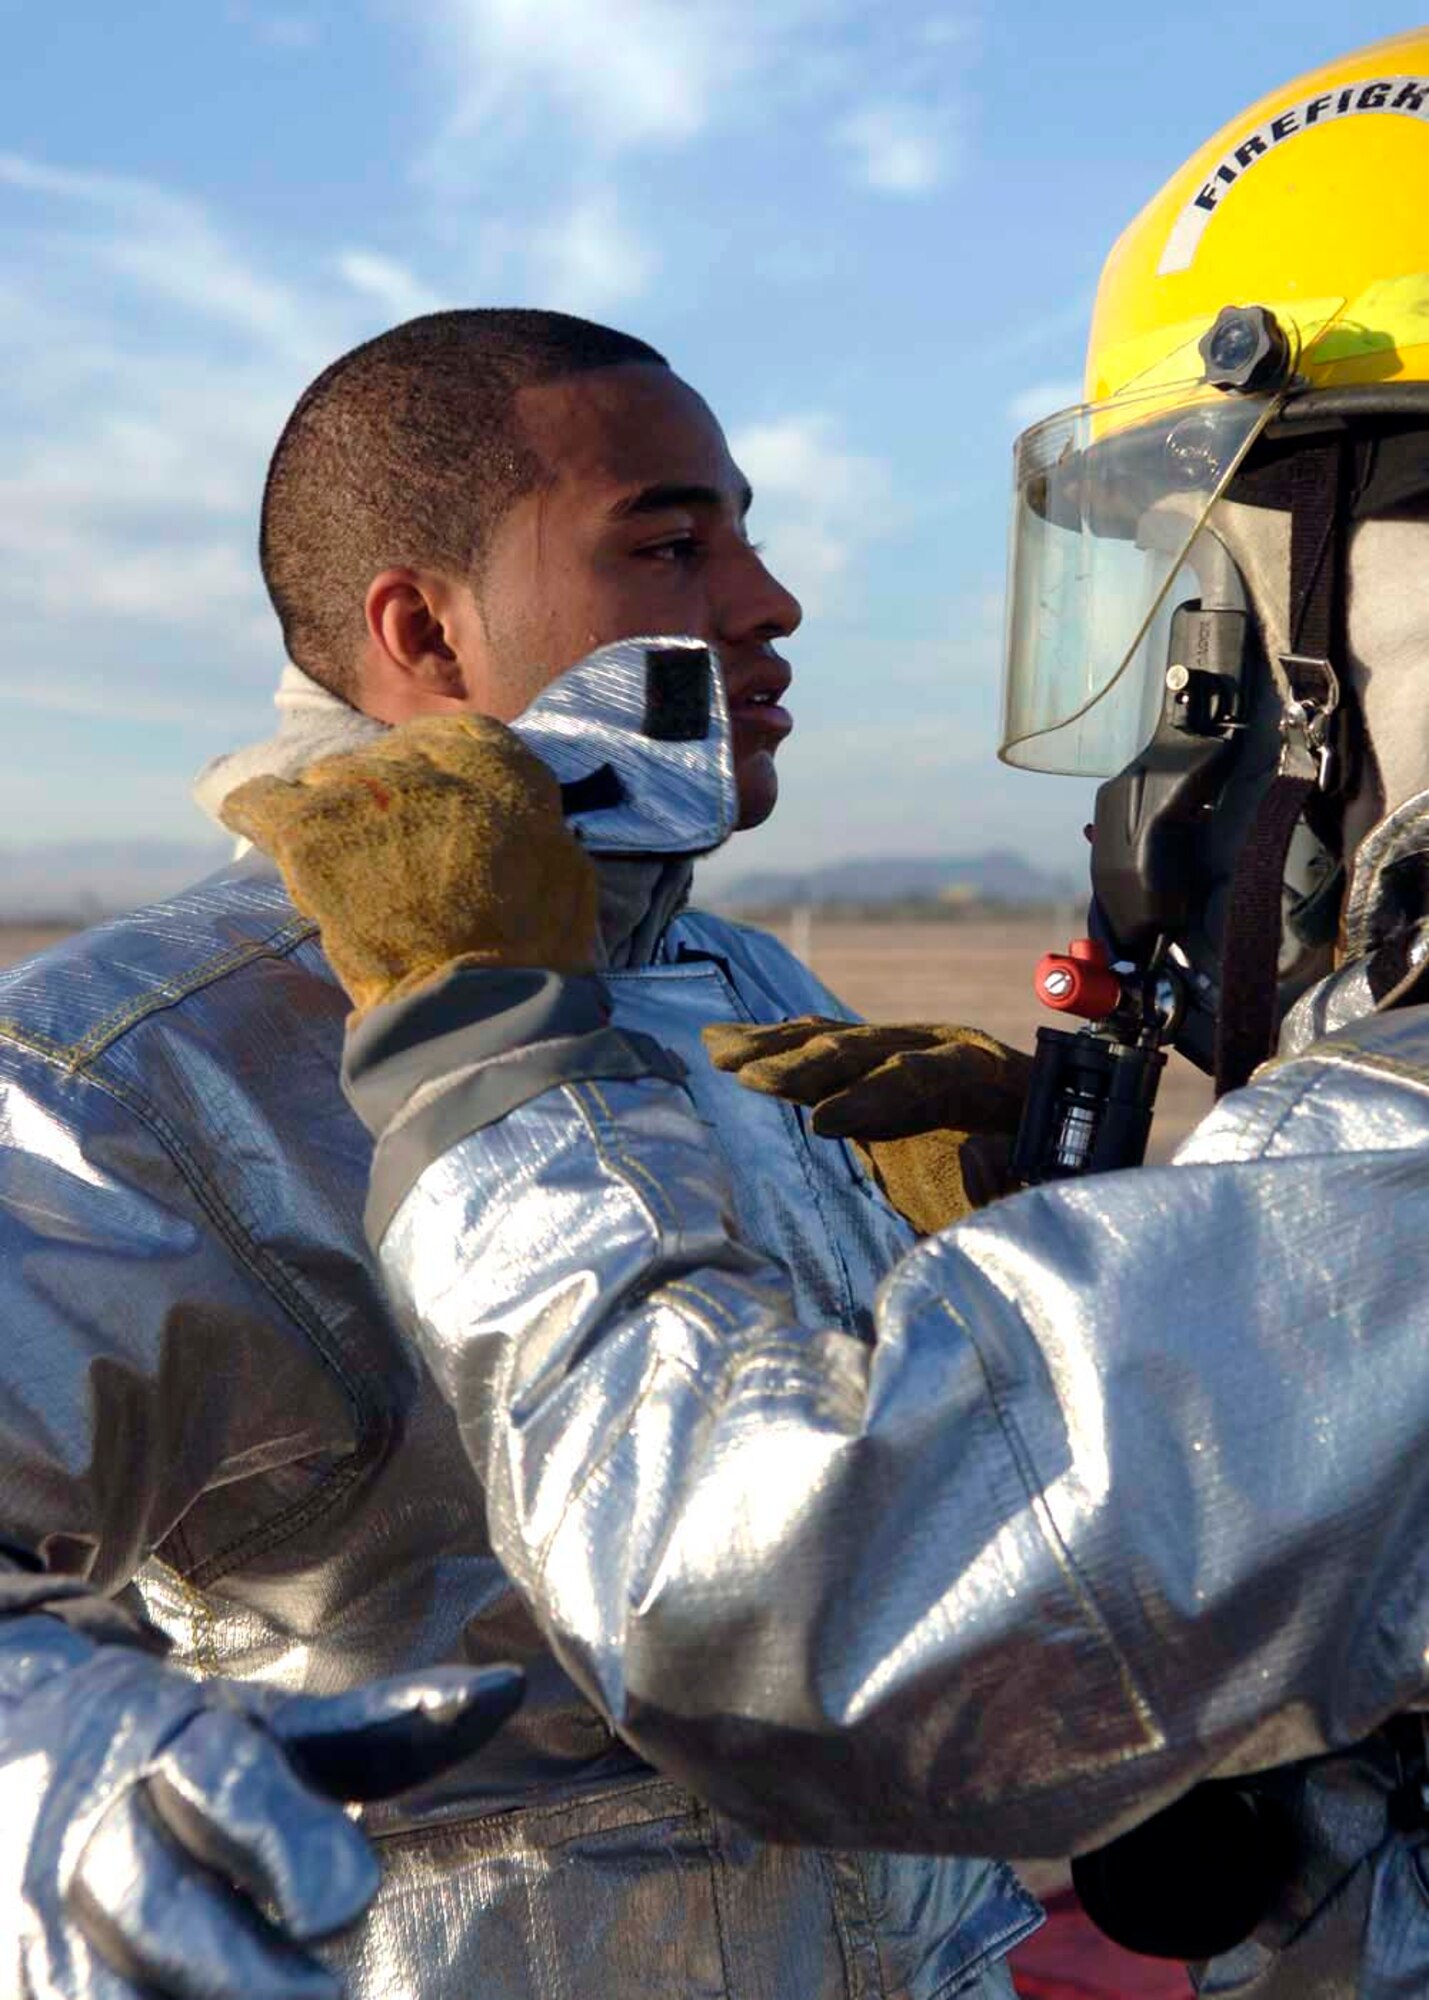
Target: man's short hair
x=408 y=451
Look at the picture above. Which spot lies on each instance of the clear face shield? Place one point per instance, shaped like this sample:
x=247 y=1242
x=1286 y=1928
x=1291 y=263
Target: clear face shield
x=1109 y=499
x=1108 y=539
x=1134 y=655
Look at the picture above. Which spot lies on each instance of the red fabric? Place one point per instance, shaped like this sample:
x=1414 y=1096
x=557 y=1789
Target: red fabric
x=1069 y=1959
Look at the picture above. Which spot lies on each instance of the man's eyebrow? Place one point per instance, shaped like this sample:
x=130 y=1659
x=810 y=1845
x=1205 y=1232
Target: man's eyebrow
x=665 y=494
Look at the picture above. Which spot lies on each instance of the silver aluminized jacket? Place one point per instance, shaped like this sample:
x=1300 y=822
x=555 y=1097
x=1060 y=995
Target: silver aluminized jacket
x=202 y=1388
x=1130 y=1485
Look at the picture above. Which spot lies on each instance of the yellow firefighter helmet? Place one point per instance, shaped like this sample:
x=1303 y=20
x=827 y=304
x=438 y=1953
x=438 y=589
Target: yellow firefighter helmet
x=1314 y=206
x=1281 y=276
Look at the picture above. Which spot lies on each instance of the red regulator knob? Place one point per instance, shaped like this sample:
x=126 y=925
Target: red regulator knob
x=1079 y=981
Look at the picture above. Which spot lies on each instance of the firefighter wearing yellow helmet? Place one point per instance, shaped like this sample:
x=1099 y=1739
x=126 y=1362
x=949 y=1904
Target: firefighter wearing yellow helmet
x=1126 y=1488
x=1256 y=418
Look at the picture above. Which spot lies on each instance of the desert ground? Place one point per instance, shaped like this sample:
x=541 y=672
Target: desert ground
x=979 y=971
x=21 y=940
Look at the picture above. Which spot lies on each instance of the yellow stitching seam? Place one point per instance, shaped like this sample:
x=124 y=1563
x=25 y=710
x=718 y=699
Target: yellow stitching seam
x=657 y=1197
x=207 y=1657
x=609 y=1157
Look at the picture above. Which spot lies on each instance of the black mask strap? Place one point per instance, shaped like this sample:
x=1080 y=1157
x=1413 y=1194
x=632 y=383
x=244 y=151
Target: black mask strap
x=1250 y=951
x=1318 y=510
x=1246 y=1021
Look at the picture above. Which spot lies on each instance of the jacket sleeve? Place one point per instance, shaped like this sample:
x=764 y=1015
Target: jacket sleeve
x=1130 y=1485
x=147 y=1357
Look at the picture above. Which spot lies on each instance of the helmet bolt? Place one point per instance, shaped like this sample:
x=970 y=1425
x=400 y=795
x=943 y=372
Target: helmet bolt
x=1246 y=350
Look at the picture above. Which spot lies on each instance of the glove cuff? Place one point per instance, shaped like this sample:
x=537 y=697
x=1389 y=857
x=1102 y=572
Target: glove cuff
x=469 y=1049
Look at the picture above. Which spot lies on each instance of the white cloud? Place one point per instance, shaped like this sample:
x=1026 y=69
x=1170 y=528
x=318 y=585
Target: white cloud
x=1044 y=399
x=96 y=698
x=944 y=31
x=146 y=364
x=588 y=259
x=149 y=354
x=625 y=73
x=800 y=459
x=82 y=569
x=168 y=247
x=278 y=30
x=547 y=100
x=816 y=501
x=390 y=284
x=897 y=148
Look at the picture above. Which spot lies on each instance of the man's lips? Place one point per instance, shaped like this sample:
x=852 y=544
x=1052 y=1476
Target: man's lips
x=755 y=697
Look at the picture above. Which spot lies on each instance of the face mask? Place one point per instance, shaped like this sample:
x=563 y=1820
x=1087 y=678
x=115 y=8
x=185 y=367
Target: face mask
x=1171 y=825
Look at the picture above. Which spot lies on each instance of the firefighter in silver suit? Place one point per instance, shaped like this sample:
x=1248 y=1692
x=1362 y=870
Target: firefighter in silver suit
x=1126 y=1488
x=212 y=1431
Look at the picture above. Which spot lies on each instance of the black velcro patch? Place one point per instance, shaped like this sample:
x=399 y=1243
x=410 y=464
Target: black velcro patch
x=595 y=792
x=677 y=694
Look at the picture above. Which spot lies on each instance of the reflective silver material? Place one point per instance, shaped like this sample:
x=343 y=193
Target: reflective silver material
x=201 y=1383
x=1130 y=1486
x=679 y=790
x=134 y=1796
x=1358 y=1918
x=1385 y=930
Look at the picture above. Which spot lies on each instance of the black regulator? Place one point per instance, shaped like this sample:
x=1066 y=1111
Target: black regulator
x=1093 y=1091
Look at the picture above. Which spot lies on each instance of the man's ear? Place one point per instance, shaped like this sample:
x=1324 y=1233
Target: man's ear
x=411 y=658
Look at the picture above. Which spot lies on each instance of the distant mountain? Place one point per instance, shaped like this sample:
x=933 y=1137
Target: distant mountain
x=997 y=876
x=89 y=879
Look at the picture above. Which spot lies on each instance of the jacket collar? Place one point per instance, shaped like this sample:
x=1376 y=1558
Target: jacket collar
x=639 y=895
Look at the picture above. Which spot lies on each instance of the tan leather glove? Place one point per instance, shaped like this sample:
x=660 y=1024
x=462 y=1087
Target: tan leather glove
x=931 y=1109
x=442 y=842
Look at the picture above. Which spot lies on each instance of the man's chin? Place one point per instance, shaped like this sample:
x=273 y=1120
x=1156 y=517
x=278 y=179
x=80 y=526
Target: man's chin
x=757 y=783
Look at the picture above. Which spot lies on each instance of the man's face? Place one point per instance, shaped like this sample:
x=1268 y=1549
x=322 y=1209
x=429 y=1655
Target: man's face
x=639 y=530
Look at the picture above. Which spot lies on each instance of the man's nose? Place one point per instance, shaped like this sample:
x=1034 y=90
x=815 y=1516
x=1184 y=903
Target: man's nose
x=757 y=606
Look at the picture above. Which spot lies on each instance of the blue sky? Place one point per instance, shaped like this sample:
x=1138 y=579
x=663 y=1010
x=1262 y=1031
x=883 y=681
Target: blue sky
x=868 y=233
